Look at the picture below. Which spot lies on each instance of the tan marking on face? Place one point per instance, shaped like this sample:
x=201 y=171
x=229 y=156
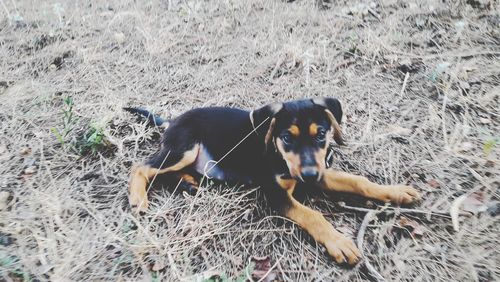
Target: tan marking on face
x=292 y=160
x=288 y=184
x=294 y=130
x=313 y=129
x=141 y=175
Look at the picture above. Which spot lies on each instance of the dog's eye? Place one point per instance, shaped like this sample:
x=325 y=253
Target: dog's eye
x=287 y=138
x=321 y=136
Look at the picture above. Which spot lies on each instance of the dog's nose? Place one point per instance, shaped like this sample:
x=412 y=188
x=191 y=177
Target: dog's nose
x=309 y=174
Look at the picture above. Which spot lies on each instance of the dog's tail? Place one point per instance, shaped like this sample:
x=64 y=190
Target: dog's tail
x=153 y=119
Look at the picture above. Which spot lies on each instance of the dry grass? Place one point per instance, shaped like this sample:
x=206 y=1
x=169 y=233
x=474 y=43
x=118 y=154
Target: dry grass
x=66 y=216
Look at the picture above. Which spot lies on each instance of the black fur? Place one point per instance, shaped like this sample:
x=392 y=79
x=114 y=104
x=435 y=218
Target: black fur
x=241 y=133
x=153 y=119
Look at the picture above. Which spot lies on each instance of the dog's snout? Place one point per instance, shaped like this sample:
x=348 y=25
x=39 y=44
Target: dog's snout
x=309 y=174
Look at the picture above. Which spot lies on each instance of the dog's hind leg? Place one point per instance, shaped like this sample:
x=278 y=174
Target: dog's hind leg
x=186 y=182
x=164 y=161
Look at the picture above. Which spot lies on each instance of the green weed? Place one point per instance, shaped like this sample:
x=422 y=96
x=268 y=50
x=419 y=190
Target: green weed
x=68 y=120
x=438 y=71
x=488 y=146
x=241 y=278
x=12 y=263
x=93 y=140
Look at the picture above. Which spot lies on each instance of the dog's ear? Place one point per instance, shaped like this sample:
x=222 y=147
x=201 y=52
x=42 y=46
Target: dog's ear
x=331 y=104
x=263 y=120
x=333 y=110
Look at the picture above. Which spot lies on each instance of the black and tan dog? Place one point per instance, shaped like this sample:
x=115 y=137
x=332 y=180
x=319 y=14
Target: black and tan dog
x=282 y=148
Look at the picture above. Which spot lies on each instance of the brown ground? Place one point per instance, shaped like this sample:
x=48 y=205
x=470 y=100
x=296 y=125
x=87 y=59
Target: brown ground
x=63 y=209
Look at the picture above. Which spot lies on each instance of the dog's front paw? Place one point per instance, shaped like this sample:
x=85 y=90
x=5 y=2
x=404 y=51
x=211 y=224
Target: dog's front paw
x=342 y=249
x=401 y=194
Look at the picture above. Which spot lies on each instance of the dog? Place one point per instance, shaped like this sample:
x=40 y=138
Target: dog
x=282 y=147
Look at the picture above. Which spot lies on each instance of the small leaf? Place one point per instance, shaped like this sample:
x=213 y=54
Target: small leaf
x=4 y=199
x=412 y=226
x=209 y=276
x=434 y=183
x=58 y=135
x=398 y=130
x=158 y=265
x=262 y=270
x=30 y=170
x=441 y=68
x=68 y=100
x=474 y=203
x=488 y=146
x=25 y=151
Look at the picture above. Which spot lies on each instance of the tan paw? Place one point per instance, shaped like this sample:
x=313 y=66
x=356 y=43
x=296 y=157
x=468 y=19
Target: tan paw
x=401 y=194
x=342 y=249
x=139 y=203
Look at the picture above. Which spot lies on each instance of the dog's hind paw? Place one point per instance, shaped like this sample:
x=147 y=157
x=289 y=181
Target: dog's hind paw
x=188 y=188
x=138 y=204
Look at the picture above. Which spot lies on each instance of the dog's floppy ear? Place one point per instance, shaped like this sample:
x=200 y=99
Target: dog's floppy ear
x=331 y=104
x=263 y=120
x=333 y=110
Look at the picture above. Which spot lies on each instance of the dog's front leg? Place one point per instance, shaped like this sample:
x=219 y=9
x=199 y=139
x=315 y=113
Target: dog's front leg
x=344 y=182
x=337 y=245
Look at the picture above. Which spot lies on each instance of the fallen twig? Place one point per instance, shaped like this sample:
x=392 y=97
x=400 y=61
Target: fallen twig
x=454 y=210
x=394 y=210
x=454 y=54
x=344 y=64
x=374 y=14
x=405 y=81
x=359 y=241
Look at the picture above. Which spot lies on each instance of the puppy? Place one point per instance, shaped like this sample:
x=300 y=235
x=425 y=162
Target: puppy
x=281 y=147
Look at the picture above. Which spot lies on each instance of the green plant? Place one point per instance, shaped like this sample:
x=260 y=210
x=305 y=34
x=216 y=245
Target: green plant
x=13 y=265
x=248 y=270
x=93 y=139
x=154 y=276
x=438 y=71
x=488 y=146
x=68 y=122
x=243 y=277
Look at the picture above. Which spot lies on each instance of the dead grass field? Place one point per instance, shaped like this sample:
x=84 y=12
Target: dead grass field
x=419 y=82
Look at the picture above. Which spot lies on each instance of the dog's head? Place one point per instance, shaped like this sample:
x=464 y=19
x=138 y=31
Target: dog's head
x=301 y=132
